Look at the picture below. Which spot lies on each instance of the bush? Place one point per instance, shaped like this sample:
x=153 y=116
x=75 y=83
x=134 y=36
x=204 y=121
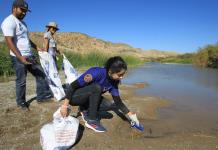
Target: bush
x=181 y=59
x=207 y=56
x=5 y=61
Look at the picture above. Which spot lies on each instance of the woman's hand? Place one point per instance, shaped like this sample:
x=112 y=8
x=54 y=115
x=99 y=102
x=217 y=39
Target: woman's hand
x=59 y=52
x=133 y=118
x=64 y=111
x=40 y=49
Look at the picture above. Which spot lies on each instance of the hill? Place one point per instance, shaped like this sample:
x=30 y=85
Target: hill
x=82 y=43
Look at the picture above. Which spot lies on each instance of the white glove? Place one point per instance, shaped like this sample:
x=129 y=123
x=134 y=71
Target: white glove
x=134 y=119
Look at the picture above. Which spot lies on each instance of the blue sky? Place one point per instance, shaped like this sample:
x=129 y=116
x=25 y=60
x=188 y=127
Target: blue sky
x=171 y=25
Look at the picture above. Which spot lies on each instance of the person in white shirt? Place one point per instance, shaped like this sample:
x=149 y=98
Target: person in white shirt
x=50 y=44
x=17 y=39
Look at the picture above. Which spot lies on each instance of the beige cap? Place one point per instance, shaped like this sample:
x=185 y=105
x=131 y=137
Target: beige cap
x=52 y=24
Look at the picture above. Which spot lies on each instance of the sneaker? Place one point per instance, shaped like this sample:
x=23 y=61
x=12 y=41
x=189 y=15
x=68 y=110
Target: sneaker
x=84 y=114
x=95 y=125
x=49 y=96
x=44 y=100
x=24 y=106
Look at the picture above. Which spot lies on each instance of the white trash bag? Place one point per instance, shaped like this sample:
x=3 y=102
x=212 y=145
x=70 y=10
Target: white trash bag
x=70 y=72
x=53 y=78
x=61 y=134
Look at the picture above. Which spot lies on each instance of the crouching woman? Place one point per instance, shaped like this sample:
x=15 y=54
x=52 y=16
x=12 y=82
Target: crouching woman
x=86 y=92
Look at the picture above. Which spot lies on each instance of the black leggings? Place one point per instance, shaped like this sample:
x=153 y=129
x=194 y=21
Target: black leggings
x=88 y=97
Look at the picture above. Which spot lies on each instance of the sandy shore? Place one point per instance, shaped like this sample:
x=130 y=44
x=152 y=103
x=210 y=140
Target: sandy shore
x=20 y=130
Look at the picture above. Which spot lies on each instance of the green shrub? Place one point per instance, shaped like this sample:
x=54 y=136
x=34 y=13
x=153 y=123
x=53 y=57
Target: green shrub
x=5 y=61
x=181 y=59
x=207 y=56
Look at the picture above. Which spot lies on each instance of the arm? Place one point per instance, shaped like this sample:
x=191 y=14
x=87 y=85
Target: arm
x=12 y=47
x=117 y=100
x=46 y=44
x=70 y=91
x=33 y=45
x=58 y=51
x=46 y=38
x=120 y=104
x=130 y=115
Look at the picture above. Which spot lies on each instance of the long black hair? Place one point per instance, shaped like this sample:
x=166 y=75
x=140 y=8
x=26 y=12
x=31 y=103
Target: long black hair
x=115 y=64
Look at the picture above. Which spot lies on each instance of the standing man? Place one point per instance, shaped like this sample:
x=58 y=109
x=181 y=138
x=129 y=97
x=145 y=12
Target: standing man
x=17 y=39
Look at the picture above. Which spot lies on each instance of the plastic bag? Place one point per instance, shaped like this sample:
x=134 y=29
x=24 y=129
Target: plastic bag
x=52 y=76
x=70 y=72
x=61 y=134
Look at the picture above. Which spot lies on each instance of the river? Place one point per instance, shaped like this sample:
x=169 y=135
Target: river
x=192 y=92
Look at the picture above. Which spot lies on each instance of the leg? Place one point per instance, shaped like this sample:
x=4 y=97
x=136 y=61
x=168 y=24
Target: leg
x=21 y=72
x=88 y=96
x=55 y=61
x=42 y=88
x=106 y=105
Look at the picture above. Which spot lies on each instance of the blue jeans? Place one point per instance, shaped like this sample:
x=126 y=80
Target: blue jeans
x=42 y=88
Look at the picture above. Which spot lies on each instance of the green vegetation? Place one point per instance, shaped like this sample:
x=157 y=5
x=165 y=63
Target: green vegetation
x=96 y=59
x=85 y=60
x=5 y=61
x=181 y=59
x=132 y=61
x=78 y=60
x=207 y=56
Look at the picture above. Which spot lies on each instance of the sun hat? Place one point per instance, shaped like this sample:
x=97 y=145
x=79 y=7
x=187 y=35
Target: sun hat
x=52 y=24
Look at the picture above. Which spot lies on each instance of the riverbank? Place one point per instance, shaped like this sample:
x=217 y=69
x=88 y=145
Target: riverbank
x=20 y=130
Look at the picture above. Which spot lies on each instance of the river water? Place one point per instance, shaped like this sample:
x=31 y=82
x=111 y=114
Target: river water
x=192 y=92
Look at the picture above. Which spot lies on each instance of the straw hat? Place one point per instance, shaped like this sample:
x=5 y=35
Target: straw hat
x=52 y=24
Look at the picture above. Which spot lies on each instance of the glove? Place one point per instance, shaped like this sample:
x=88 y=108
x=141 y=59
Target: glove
x=134 y=119
x=31 y=60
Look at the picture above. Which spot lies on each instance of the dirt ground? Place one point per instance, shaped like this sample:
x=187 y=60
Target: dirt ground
x=20 y=130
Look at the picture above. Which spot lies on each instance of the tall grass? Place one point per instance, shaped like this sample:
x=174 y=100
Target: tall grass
x=78 y=60
x=85 y=60
x=97 y=59
x=132 y=61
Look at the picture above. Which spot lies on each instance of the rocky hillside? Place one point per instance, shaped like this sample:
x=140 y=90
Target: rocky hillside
x=82 y=43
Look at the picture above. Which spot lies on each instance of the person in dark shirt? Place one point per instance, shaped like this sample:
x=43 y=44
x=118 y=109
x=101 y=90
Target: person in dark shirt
x=87 y=91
